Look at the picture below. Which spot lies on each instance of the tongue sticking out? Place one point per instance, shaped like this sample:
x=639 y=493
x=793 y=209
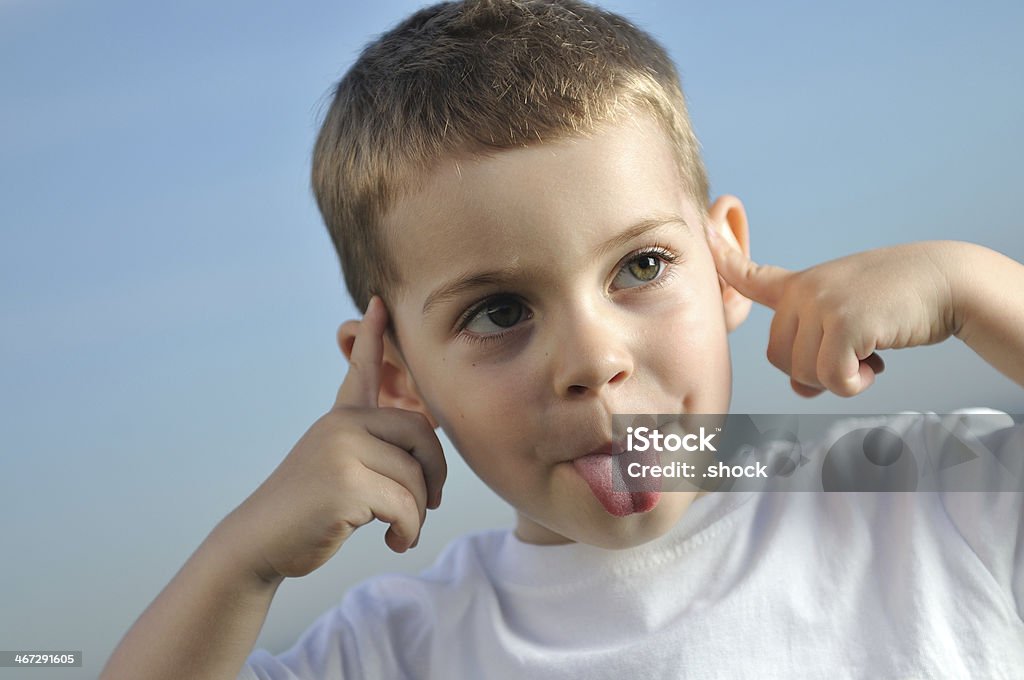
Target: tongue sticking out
x=605 y=474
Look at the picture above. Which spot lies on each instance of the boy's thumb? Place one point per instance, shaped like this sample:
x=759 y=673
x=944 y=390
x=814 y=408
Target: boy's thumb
x=762 y=283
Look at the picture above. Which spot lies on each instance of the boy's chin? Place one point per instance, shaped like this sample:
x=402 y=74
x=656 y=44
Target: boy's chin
x=611 y=532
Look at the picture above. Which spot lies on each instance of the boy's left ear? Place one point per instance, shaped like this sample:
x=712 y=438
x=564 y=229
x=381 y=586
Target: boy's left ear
x=397 y=388
x=728 y=218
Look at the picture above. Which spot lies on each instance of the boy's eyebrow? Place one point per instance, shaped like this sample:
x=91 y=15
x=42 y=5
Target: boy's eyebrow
x=639 y=229
x=461 y=284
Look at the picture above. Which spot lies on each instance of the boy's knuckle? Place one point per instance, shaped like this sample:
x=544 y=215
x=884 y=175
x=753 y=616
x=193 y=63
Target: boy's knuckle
x=820 y=297
x=411 y=468
x=830 y=381
x=406 y=499
x=834 y=326
x=837 y=383
x=805 y=376
x=775 y=356
x=845 y=390
x=840 y=318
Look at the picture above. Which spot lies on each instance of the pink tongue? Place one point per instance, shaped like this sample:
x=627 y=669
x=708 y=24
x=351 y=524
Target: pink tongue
x=605 y=473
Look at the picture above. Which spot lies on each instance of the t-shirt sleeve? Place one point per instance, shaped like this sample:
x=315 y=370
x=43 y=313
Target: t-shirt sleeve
x=328 y=650
x=991 y=522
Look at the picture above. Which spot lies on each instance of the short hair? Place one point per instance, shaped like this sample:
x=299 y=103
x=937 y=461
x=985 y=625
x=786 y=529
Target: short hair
x=475 y=77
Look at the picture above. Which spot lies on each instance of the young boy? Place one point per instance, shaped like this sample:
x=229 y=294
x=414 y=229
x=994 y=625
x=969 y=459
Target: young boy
x=520 y=208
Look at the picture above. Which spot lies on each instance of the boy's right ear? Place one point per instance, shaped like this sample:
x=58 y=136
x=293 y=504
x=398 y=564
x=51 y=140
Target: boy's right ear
x=729 y=219
x=397 y=389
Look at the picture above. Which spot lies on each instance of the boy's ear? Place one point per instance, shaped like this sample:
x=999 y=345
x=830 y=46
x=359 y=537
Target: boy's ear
x=397 y=389
x=728 y=218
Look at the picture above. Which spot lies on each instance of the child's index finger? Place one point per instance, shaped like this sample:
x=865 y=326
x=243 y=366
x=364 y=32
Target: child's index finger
x=361 y=386
x=762 y=283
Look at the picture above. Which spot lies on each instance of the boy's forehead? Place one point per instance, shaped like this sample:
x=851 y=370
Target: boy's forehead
x=536 y=205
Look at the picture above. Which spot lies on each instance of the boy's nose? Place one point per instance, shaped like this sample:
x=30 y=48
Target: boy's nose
x=590 y=354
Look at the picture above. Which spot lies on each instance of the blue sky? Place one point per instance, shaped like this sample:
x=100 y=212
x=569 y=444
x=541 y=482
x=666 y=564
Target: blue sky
x=168 y=296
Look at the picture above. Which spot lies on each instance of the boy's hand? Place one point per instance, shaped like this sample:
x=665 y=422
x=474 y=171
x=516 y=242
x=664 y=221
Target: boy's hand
x=830 y=319
x=356 y=463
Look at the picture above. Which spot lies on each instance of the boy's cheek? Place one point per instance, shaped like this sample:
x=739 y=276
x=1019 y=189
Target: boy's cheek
x=477 y=407
x=689 y=354
x=692 y=316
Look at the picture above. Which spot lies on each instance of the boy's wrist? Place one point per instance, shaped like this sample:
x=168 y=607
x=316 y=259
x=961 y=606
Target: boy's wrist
x=989 y=314
x=232 y=556
x=966 y=277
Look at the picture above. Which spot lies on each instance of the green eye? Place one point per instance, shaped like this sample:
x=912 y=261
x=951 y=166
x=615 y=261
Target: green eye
x=645 y=267
x=640 y=269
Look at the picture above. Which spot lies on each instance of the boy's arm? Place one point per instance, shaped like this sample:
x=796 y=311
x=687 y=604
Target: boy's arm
x=355 y=464
x=830 y=319
x=205 y=622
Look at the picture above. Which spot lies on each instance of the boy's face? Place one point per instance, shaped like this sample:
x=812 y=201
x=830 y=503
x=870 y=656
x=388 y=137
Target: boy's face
x=546 y=289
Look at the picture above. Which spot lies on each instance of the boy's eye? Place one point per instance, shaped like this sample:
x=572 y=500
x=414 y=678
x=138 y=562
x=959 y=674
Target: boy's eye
x=496 y=314
x=640 y=269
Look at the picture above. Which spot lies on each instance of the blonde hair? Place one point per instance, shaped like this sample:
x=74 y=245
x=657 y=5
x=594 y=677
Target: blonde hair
x=475 y=77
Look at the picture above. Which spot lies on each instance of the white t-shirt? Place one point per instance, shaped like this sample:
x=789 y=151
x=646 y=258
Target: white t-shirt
x=748 y=584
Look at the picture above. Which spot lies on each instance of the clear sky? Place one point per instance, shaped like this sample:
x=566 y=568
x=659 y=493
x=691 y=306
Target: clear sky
x=168 y=295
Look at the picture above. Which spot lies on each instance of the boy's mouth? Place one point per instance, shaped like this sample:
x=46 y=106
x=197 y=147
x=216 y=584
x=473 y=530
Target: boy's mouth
x=605 y=469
